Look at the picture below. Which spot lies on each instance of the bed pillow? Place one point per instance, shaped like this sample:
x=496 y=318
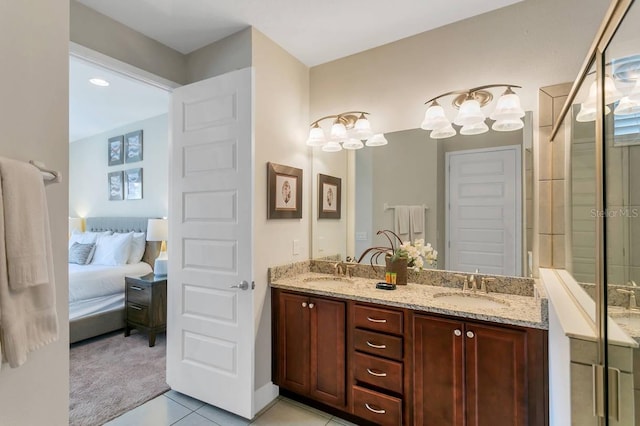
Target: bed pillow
x=138 y=244
x=81 y=253
x=86 y=237
x=112 y=249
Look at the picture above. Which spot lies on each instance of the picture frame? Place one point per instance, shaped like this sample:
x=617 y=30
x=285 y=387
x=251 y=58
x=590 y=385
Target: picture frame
x=133 y=146
x=133 y=183
x=284 y=192
x=329 y=197
x=115 y=150
x=115 y=186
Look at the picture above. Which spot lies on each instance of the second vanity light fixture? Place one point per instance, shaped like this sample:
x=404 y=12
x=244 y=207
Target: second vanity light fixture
x=348 y=131
x=507 y=114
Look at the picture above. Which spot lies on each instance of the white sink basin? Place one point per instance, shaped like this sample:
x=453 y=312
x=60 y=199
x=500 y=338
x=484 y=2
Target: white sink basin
x=627 y=318
x=327 y=280
x=470 y=300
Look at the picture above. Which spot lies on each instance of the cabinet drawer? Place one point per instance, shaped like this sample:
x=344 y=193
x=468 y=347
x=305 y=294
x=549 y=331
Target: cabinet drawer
x=138 y=293
x=374 y=406
x=378 y=319
x=378 y=372
x=378 y=344
x=138 y=314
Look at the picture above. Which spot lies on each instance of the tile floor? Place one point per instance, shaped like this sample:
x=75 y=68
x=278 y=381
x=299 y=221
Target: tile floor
x=173 y=408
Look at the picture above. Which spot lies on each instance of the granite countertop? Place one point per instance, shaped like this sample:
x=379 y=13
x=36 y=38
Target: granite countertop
x=525 y=311
x=628 y=320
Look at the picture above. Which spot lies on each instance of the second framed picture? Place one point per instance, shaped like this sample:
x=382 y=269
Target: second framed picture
x=284 y=192
x=133 y=183
x=116 y=188
x=329 y=197
x=133 y=146
x=115 y=151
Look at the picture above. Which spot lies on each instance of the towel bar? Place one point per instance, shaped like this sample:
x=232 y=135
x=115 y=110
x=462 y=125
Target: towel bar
x=49 y=176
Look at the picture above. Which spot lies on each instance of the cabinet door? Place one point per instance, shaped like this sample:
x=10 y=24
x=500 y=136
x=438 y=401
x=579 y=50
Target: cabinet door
x=293 y=342
x=438 y=394
x=496 y=376
x=328 y=354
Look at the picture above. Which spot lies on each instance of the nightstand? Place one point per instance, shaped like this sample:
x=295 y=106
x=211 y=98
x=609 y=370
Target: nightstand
x=146 y=305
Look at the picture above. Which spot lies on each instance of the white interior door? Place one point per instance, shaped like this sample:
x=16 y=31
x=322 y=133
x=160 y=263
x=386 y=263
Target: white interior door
x=484 y=218
x=210 y=329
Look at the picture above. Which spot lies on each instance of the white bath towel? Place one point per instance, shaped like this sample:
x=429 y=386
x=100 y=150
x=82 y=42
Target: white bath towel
x=401 y=222
x=416 y=222
x=28 y=318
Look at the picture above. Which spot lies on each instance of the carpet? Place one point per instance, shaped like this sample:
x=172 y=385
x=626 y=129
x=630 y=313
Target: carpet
x=111 y=374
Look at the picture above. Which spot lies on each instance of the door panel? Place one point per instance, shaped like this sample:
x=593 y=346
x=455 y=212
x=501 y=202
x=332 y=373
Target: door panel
x=293 y=341
x=210 y=331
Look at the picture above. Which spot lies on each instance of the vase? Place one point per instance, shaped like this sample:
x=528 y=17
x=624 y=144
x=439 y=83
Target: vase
x=398 y=266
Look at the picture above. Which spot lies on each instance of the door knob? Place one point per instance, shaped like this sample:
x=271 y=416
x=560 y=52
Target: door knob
x=244 y=285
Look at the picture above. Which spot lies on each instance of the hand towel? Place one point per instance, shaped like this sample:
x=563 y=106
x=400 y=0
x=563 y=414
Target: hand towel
x=416 y=222
x=28 y=318
x=25 y=237
x=402 y=222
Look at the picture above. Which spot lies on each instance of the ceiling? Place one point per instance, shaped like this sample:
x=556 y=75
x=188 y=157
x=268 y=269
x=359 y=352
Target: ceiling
x=314 y=31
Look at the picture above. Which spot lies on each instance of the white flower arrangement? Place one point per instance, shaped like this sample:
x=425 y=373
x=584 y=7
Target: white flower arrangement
x=418 y=254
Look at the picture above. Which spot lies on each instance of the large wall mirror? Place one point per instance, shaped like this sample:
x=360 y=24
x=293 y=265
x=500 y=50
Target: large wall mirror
x=475 y=191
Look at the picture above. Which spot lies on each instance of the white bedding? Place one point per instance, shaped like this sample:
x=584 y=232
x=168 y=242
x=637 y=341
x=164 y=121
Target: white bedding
x=91 y=281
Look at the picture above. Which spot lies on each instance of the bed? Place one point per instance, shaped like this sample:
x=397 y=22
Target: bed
x=96 y=291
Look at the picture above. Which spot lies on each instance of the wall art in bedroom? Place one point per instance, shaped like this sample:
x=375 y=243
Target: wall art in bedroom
x=116 y=187
x=115 y=150
x=133 y=183
x=133 y=148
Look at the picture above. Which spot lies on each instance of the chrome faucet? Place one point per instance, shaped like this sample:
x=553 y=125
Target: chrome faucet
x=339 y=268
x=468 y=282
x=483 y=283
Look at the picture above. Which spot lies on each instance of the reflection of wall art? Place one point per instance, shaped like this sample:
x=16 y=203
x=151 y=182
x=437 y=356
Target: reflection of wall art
x=116 y=189
x=329 y=197
x=133 y=147
x=133 y=183
x=115 y=150
x=284 y=189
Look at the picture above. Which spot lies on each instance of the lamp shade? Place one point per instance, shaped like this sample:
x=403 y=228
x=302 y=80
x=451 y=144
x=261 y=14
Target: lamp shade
x=627 y=106
x=157 y=230
x=508 y=107
x=635 y=92
x=316 y=136
x=362 y=129
x=352 y=143
x=338 y=132
x=377 y=140
x=474 y=129
x=507 y=125
x=443 y=133
x=588 y=112
x=76 y=224
x=611 y=93
x=332 y=146
x=469 y=113
x=434 y=117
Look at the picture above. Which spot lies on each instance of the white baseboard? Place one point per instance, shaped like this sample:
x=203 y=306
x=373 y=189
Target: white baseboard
x=264 y=396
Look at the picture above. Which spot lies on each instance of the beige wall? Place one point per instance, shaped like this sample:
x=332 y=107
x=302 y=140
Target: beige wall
x=102 y=34
x=34 y=40
x=229 y=54
x=281 y=99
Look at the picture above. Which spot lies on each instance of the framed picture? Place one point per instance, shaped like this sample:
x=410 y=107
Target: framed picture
x=115 y=150
x=284 y=192
x=133 y=183
x=329 y=197
x=133 y=146
x=116 y=188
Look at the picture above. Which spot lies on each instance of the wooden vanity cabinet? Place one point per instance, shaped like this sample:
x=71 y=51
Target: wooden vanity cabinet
x=309 y=342
x=468 y=373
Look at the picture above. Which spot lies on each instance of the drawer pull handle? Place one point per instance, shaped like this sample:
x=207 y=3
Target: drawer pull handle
x=373 y=373
x=373 y=345
x=376 y=320
x=373 y=410
x=137 y=308
x=135 y=287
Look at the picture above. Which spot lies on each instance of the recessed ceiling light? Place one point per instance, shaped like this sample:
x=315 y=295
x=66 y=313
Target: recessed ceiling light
x=99 y=82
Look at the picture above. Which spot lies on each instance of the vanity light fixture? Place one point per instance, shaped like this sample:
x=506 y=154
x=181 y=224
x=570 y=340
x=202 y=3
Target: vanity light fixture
x=629 y=104
x=348 y=131
x=507 y=115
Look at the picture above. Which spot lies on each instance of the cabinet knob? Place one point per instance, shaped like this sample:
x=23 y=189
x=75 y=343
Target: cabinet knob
x=373 y=410
x=470 y=334
x=304 y=304
x=457 y=332
x=311 y=305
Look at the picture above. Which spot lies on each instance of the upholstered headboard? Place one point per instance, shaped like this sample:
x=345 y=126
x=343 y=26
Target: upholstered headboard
x=125 y=224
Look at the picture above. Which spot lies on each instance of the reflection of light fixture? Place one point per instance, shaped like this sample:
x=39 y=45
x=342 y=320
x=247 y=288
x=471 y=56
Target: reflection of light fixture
x=507 y=114
x=158 y=230
x=348 y=131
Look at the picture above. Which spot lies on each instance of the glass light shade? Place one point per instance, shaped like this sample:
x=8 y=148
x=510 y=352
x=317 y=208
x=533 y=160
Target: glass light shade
x=434 y=118
x=352 y=143
x=507 y=125
x=362 y=128
x=332 y=146
x=469 y=113
x=316 y=137
x=443 y=133
x=611 y=93
x=627 y=106
x=377 y=140
x=338 y=132
x=635 y=92
x=474 y=129
x=508 y=108
x=588 y=113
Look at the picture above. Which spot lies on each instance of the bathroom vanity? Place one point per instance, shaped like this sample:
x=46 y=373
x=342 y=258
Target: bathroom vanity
x=418 y=355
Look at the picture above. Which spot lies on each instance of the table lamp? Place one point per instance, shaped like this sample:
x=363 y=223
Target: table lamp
x=158 y=230
x=76 y=224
